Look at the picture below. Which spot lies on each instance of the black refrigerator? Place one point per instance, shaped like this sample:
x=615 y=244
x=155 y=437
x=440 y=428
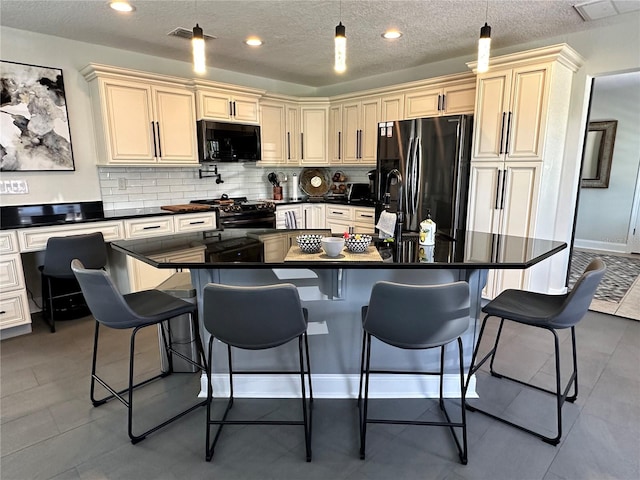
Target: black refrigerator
x=432 y=157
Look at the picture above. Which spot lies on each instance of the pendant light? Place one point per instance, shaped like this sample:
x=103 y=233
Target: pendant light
x=340 y=64
x=197 y=44
x=484 y=45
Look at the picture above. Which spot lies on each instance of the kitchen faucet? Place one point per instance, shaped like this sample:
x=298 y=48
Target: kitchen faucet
x=395 y=173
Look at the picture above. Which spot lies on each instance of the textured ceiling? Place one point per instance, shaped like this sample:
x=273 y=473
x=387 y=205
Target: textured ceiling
x=298 y=34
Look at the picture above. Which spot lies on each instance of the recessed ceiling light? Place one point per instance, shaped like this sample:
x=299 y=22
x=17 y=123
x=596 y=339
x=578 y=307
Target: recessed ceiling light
x=122 y=6
x=253 y=41
x=391 y=34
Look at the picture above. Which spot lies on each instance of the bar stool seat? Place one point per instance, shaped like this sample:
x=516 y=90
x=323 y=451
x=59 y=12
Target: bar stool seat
x=549 y=312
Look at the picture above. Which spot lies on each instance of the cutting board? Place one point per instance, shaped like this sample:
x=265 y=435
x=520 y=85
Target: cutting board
x=189 y=207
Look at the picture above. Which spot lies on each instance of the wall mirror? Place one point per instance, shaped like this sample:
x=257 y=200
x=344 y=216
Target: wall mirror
x=598 y=152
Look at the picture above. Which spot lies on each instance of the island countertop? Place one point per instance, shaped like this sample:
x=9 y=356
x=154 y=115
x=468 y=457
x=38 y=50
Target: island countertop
x=470 y=249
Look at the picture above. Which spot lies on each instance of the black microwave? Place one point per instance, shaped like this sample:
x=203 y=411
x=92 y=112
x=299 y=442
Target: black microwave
x=228 y=142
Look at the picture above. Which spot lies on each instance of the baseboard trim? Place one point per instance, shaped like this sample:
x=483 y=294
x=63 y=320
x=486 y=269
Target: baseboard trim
x=600 y=246
x=336 y=386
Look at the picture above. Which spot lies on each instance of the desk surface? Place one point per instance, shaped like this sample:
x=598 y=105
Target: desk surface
x=470 y=250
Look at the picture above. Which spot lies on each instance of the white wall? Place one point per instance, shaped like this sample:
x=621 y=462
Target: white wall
x=604 y=213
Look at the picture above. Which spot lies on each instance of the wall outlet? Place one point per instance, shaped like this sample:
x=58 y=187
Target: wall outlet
x=14 y=187
x=122 y=184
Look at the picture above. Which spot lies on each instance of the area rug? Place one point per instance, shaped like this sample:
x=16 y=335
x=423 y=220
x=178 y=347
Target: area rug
x=622 y=272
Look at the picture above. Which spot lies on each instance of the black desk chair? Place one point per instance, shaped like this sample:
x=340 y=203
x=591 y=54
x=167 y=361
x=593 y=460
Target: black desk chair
x=59 y=285
x=415 y=317
x=549 y=312
x=256 y=318
x=135 y=311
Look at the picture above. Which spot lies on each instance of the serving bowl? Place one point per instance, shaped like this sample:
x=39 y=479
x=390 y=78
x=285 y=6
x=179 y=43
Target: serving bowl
x=357 y=243
x=309 y=243
x=332 y=245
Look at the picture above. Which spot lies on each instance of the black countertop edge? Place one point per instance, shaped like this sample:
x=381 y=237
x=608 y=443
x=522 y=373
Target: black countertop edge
x=327 y=201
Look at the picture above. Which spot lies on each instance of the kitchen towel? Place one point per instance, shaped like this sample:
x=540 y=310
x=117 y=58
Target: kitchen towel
x=386 y=224
x=290 y=220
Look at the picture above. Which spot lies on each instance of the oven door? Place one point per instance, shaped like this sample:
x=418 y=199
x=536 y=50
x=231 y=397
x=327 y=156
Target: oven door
x=262 y=221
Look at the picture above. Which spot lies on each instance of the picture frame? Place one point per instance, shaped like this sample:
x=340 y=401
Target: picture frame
x=598 y=154
x=34 y=121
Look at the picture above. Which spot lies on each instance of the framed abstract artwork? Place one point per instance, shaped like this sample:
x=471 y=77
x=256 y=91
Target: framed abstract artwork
x=34 y=123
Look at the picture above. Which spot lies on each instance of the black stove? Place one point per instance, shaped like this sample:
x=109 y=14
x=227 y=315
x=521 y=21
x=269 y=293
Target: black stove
x=239 y=212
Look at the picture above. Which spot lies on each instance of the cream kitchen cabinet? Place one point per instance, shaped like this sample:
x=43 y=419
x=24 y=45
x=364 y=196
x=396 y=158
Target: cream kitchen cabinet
x=314 y=121
x=313 y=215
x=336 y=136
x=280 y=132
x=339 y=218
x=14 y=306
x=392 y=107
x=142 y=119
x=437 y=100
x=359 y=127
x=292 y=210
x=519 y=140
x=227 y=105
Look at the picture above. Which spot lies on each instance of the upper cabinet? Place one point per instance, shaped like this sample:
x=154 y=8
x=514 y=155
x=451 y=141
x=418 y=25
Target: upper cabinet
x=359 y=130
x=227 y=103
x=449 y=98
x=314 y=122
x=392 y=107
x=142 y=119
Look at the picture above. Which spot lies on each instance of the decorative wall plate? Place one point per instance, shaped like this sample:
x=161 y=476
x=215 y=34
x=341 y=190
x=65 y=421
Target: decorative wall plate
x=314 y=181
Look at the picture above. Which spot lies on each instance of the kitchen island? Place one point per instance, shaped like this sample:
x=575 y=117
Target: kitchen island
x=334 y=290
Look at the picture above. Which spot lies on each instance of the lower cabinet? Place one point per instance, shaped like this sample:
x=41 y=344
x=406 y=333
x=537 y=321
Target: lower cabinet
x=14 y=306
x=339 y=218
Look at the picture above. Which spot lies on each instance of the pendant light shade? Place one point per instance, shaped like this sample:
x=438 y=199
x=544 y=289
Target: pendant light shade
x=197 y=44
x=341 y=49
x=484 y=48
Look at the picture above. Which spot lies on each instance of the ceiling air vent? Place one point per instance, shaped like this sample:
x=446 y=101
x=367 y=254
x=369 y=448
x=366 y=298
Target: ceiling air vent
x=187 y=33
x=597 y=9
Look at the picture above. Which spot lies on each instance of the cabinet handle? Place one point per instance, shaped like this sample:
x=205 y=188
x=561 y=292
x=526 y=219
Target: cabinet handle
x=151 y=227
x=366 y=216
x=288 y=145
x=338 y=213
x=197 y=223
x=2 y=312
x=305 y=219
x=502 y=133
x=301 y=146
x=230 y=108
x=497 y=202
x=234 y=108
x=159 y=144
x=155 y=144
x=506 y=146
x=360 y=144
x=504 y=182
x=443 y=102
x=339 y=145
x=439 y=102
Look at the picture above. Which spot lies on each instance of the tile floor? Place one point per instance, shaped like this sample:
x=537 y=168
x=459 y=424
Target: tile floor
x=49 y=430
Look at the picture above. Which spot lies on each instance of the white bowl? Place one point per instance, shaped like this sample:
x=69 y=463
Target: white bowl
x=332 y=246
x=309 y=243
x=358 y=245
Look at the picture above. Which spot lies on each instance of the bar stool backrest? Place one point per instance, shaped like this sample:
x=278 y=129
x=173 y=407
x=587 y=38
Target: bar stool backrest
x=253 y=317
x=90 y=249
x=417 y=316
x=103 y=298
x=577 y=302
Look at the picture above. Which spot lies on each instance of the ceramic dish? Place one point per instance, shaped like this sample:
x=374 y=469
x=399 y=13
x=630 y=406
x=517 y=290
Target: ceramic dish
x=332 y=246
x=309 y=243
x=358 y=243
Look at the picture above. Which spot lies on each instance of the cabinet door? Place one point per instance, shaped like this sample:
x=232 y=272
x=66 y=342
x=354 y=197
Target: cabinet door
x=338 y=226
x=245 y=109
x=272 y=125
x=281 y=213
x=176 y=126
x=314 y=215
x=364 y=218
x=459 y=99
x=314 y=135
x=528 y=111
x=484 y=195
x=214 y=105
x=351 y=134
x=292 y=139
x=392 y=108
x=335 y=135
x=143 y=276
x=422 y=103
x=493 y=91
x=369 y=117
x=129 y=119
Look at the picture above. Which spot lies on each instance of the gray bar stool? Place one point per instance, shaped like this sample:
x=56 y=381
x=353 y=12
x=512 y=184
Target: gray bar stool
x=415 y=317
x=256 y=318
x=549 y=312
x=90 y=249
x=133 y=311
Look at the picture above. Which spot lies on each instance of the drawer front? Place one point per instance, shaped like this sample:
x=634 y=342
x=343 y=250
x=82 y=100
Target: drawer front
x=11 y=276
x=339 y=212
x=14 y=309
x=148 y=227
x=8 y=242
x=195 y=222
x=365 y=215
x=35 y=239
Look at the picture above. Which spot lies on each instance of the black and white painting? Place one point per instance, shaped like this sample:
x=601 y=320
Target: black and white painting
x=34 y=124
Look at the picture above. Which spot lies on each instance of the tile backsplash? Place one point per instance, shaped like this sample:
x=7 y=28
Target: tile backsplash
x=138 y=187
